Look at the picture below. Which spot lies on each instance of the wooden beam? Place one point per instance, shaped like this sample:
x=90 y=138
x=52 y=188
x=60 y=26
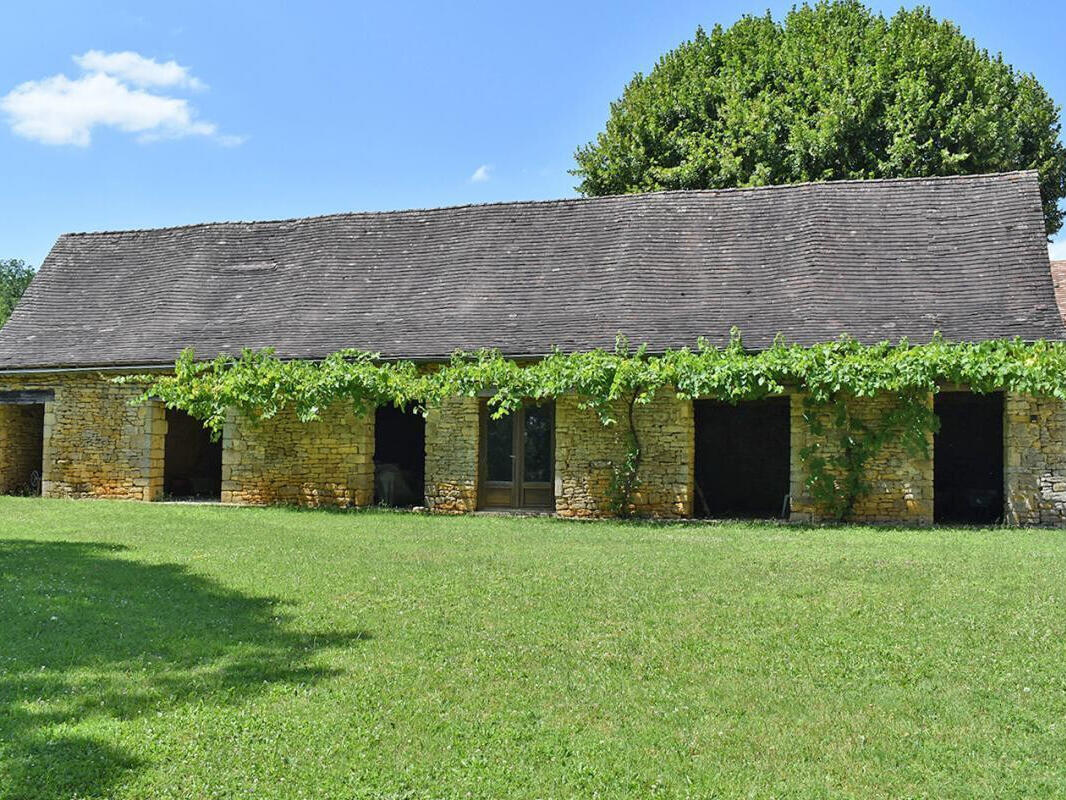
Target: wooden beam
x=25 y=397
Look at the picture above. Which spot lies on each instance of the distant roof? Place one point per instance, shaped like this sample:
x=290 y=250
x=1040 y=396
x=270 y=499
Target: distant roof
x=1058 y=278
x=877 y=259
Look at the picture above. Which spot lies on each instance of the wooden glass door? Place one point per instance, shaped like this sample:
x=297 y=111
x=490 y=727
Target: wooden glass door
x=497 y=460
x=517 y=458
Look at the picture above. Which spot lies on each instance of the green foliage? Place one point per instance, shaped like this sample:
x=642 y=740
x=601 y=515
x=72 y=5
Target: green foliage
x=834 y=91
x=15 y=276
x=832 y=376
x=259 y=385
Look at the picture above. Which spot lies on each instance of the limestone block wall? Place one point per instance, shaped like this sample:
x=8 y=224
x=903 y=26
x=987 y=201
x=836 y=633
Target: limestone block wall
x=95 y=443
x=586 y=452
x=1034 y=461
x=452 y=441
x=327 y=462
x=902 y=484
x=21 y=446
x=99 y=445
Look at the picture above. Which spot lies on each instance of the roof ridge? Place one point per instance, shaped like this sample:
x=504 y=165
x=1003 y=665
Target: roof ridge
x=564 y=201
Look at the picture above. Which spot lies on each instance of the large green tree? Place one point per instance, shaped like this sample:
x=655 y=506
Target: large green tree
x=833 y=91
x=15 y=276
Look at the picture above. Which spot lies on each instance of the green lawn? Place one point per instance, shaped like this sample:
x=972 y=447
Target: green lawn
x=188 y=652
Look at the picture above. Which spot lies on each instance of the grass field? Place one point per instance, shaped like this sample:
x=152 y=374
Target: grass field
x=188 y=652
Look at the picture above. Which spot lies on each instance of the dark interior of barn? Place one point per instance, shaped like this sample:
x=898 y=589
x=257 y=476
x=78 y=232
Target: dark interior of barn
x=35 y=451
x=742 y=458
x=399 y=457
x=968 y=458
x=24 y=455
x=192 y=463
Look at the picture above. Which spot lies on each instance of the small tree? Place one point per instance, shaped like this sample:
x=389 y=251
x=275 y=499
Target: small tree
x=15 y=276
x=834 y=91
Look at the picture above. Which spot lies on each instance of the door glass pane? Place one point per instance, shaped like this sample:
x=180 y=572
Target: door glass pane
x=538 y=443
x=499 y=448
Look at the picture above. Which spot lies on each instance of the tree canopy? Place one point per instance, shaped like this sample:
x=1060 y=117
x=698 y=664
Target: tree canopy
x=834 y=91
x=15 y=276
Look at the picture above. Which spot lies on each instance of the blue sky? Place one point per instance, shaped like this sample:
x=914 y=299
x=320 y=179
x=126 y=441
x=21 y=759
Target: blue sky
x=233 y=110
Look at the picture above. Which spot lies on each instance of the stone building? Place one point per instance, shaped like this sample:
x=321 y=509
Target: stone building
x=878 y=260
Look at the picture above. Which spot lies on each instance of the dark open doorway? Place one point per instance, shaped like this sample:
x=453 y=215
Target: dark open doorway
x=399 y=457
x=22 y=456
x=742 y=458
x=192 y=463
x=968 y=458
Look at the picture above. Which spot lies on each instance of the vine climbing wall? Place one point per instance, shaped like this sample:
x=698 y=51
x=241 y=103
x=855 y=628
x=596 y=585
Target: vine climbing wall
x=901 y=483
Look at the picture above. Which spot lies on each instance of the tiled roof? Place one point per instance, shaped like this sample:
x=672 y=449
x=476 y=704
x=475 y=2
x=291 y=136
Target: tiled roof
x=876 y=259
x=1058 y=278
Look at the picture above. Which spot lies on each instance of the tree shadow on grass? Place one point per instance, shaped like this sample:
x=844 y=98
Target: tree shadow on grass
x=87 y=637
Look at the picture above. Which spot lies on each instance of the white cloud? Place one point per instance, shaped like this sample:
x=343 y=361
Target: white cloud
x=1057 y=250
x=138 y=70
x=481 y=174
x=111 y=93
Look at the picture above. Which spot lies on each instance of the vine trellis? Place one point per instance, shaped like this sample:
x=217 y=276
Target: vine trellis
x=831 y=376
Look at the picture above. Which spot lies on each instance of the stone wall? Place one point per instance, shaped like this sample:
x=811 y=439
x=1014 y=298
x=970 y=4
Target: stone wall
x=327 y=462
x=586 y=452
x=452 y=443
x=96 y=444
x=902 y=484
x=1034 y=461
x=99 y=445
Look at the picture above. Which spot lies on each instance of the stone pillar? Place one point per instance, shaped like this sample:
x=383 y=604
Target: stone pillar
x=452 y=455
x=232 y=457
x=47 y=456
x=902 y=484
x=586 y=452
x=801 y=505
x=1034 y=461
x=327 y=462
x=99 y=443
x=155 y=420
x=667 y=432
